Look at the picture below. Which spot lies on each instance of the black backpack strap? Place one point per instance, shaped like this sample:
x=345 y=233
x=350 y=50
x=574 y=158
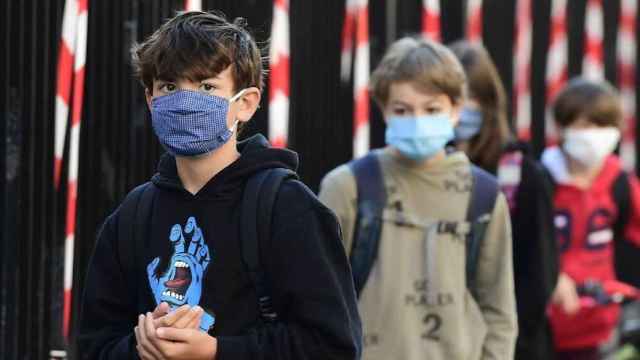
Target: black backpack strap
x=372 y=199
x=132 y=225
x=626 y=254
x=484 y=191
x=621 y=195
x=258 y=201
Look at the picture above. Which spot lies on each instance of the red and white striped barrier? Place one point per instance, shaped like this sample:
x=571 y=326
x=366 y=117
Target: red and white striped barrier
x=474 y=20
x=431 y=20
x=70 y=93
x=193 y=5
x=64 y=83
x=279 y=75
x=557 y=62
x=362 y=68
x=593 y=61
x=627 y=79
x=522 y=69
x=348 y=32
x=356 y=25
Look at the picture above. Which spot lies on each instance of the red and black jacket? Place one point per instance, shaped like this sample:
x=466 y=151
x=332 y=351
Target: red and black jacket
x=586 y=221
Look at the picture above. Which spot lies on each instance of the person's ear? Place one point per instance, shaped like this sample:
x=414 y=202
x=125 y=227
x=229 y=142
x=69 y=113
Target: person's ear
x=148 y=96
x=247 y=104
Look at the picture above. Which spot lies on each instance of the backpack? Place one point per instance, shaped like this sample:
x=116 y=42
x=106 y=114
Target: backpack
x=258 y=200
x=372 y=199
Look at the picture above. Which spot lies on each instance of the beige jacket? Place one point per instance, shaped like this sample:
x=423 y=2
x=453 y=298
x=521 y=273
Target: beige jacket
x=415 y=304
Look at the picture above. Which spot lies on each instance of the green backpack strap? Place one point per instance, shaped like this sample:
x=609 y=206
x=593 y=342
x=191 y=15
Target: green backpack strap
x=484 y=192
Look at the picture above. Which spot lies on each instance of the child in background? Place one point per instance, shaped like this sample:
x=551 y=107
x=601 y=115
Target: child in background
x=588 y=213
x=404 y=212
x=483 y=133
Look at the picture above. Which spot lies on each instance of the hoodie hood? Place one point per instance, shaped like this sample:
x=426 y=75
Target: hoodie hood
x=256 y=154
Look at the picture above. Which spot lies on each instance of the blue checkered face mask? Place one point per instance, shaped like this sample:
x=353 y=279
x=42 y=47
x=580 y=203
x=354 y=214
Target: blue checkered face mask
x=419 y=137
x=190 y=123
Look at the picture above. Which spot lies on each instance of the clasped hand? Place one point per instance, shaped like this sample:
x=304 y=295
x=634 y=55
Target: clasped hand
x=165 y=335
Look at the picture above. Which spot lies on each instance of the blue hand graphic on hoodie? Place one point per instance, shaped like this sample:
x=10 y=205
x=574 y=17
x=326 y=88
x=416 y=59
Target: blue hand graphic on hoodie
x=181 y=282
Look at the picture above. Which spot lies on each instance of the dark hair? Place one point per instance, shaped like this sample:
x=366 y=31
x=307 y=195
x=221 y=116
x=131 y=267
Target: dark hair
x=427 y=64
x=484 y=86
x=596 y=101
x=198 y=45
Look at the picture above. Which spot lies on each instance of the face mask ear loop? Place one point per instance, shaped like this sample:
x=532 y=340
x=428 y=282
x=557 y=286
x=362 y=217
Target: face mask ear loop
x=234 y=98
x=234 y=127
x=238 y=95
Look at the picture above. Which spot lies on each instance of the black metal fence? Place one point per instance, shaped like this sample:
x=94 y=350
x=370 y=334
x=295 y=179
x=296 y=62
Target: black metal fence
x=118 y=149
x=30 y=294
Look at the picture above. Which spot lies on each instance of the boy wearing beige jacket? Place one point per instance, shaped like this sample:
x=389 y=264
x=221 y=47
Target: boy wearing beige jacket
x=432 y=268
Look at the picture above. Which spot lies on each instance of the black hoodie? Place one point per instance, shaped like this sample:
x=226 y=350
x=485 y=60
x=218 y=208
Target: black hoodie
x=192 y=255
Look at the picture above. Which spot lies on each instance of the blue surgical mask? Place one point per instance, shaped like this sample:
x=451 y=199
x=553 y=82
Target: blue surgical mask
x=419 y=138
x=190 y=123
x=469 y=125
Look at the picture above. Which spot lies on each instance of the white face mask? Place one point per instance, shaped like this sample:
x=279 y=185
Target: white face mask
x=590 y=146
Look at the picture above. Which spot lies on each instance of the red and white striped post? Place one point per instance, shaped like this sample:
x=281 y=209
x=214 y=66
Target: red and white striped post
x=431 y=20
x=279 y=75
x=361 y=109
x=348 y=32
x=557 y=62
x=71 y=68
x=522 y=68
x=593 y=61
x=474 y=21
x=627 y=79
x=193 y=5
x=64 y=83
x=356 y=25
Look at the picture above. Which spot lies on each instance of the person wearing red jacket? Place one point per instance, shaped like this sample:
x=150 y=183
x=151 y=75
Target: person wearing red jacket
x=585 y=170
